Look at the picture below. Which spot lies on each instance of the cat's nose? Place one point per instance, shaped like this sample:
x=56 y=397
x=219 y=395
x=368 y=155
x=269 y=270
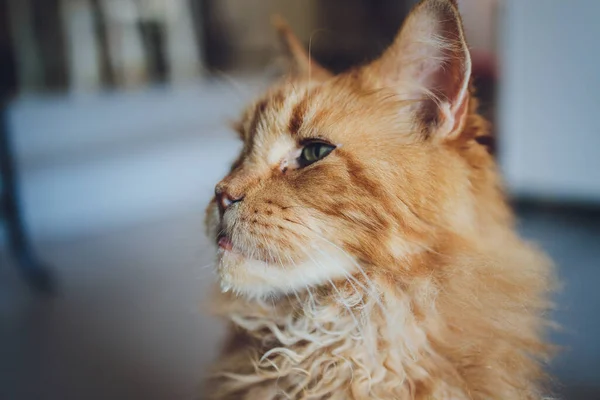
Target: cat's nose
x=225 y=198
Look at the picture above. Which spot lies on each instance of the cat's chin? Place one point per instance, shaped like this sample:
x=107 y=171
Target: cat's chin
x=260 y=279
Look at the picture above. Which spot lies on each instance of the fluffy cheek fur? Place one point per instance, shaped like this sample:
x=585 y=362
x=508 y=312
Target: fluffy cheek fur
x=293 y=232
x=266 y=265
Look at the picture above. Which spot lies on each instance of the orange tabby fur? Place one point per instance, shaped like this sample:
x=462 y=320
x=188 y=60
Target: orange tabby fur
x=391 y=268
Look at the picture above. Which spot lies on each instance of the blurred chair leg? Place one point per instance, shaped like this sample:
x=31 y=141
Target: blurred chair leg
x=182 y=47
x=26 y=48
x=124 y=40
x=36 y=274
x=78 y=20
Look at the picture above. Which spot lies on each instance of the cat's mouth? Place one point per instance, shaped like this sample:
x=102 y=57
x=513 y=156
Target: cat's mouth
x=226 y=245
x=224 y=242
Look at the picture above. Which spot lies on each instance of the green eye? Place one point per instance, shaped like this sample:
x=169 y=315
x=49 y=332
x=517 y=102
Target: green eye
x=314 y=152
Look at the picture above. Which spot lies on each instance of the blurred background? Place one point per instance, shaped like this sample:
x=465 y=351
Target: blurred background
x=113 y=132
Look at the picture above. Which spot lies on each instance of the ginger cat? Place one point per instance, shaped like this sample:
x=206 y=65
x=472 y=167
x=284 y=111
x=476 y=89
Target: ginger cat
x=365 y=248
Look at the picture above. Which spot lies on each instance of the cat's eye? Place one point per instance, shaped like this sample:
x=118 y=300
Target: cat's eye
x=313 y=152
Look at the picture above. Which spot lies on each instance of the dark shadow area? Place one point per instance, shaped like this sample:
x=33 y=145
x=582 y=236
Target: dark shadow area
x=570 y=234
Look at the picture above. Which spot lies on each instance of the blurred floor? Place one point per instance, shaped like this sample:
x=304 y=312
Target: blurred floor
x=571 y=236
x=129 y=321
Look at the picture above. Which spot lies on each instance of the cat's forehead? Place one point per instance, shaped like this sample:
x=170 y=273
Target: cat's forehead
x=338 y=111
x=277 y=121
x=300 y=109
x=282 y=110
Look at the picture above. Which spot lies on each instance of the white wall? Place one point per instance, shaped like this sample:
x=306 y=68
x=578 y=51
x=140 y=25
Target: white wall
x=550 y=101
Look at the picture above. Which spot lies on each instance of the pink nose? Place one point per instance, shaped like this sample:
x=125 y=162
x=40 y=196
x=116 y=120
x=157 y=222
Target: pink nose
x=226 y=199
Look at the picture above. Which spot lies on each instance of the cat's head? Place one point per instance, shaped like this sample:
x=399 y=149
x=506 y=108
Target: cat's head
x=360 y=171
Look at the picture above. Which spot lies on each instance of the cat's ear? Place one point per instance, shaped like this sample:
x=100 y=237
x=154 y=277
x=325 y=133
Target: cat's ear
x=300 y=60
x=429 y=60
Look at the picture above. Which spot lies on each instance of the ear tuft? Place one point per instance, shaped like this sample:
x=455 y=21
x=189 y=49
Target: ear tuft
x=301 y=61
x=429 y=62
